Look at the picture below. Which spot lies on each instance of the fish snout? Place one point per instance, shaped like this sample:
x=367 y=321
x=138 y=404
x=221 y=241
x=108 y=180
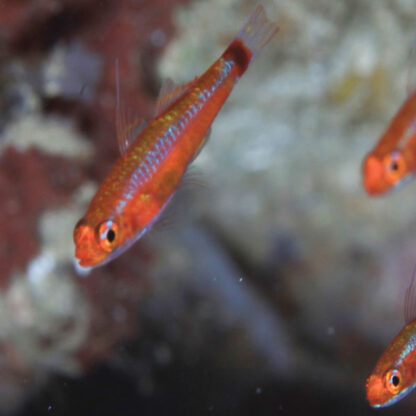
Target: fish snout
x=379 y=395
x=375 y=387
x=373 y=175
x=84 y=239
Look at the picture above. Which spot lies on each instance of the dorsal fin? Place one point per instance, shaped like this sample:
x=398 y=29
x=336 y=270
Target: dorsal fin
x=169 y=93
x=410 y=300
x=128 y=126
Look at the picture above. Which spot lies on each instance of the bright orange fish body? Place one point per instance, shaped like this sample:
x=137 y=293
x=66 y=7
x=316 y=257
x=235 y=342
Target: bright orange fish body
x=144 y=178
x=393 y=160
x=395 y=373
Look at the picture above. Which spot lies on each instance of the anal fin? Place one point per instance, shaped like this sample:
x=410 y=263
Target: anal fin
x=202 y=144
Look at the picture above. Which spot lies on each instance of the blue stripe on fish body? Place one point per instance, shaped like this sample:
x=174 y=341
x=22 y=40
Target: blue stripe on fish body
x=150 y=162
x=152 y=157
x=175 y=129
x=204 y=95
x=163 y=144
x=166 y=139
x=228 y=66
x=135 y=178
x=411 y=345
x=183 y=121
x=158 y=150
x=145 y=167
x=171 y=132
x=139 y=171
x=122 y=203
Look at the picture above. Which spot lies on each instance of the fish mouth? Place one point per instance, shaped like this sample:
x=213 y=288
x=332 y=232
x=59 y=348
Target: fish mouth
x=374 y=391
x=87 y=256
x=87 y=253
x=83 y=256
x=84 y=261
x=81 y=270
x=371 y=189
x=99 y=258
x=372 y=176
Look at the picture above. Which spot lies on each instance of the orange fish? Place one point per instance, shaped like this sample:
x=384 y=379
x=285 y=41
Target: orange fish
x=393 y=160
x=395 y=373
x=153 y=160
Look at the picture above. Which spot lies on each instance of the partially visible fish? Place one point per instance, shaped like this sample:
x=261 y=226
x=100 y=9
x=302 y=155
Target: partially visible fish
x=155 y=155
x=393 y=160
x=395 y=373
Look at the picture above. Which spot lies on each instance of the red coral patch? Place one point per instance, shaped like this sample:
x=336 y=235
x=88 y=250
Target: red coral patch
x=30 y=182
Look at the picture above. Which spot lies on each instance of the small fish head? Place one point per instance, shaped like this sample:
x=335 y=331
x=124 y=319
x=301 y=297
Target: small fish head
x=381 y=174
x=386 y=388
x=96 y=245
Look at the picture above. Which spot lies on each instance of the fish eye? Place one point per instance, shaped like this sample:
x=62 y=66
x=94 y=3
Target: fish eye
x=111 y=235
x=395 y=166
x=107 y=235
x=393 y=381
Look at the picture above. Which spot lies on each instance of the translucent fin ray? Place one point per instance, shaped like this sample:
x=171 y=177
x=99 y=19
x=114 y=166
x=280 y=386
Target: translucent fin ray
x=128 y=125
x=193 y=179
x=258 y=30
x=169 y=93
x=172 y=216
x=410 y=300
x=204 y=141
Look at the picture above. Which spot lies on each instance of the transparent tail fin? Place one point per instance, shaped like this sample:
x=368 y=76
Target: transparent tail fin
x=258 y=31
